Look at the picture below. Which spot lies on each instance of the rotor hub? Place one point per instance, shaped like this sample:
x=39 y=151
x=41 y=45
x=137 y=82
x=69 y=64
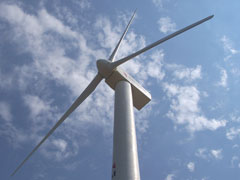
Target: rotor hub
x=105 y=67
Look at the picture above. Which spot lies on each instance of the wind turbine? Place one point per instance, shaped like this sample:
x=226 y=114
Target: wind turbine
x=128 y=93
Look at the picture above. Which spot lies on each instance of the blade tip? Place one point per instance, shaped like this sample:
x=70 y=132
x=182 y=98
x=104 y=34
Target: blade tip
x=210 y=17
x=14 y=172
x=135 y=11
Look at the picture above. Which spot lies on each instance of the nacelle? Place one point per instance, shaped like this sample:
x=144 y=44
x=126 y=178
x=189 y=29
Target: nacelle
x=140 y=96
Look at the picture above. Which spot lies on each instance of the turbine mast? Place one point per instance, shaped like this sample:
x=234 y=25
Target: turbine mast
x=125 y=155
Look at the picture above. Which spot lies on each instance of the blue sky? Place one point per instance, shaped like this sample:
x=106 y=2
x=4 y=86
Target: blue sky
x=48 y=50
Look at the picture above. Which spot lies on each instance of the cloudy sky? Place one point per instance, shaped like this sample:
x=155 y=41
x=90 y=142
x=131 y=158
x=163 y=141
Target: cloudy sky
x=48 y=52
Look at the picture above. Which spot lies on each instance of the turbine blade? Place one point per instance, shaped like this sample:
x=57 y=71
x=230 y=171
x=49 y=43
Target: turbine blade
x=90 y=88
x=123 y=60
x=111 y=58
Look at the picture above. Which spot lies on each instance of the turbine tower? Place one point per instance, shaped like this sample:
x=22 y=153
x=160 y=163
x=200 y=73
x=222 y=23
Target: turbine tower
x=128 y=93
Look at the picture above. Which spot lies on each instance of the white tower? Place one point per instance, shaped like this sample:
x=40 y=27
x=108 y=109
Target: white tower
x=125 y=157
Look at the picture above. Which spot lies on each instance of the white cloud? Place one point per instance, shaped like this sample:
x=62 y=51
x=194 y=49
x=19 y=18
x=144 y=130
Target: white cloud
x=7 y=128
x=184 y=108
x=217 y=153
x=153 y=68
x=49 y=62
x=228 y=45
x=158 y=3
x=235 y=117
x=108 y=35
x=191 y=166
x=41 y=35
x=141 y=119
x=182 y=72
x=130 y=44
x=59 y=149
x=49 y=54
x=83 y=4
x=170 y=177
x=234 y=161
x=49 y=22
x=232 y=133
x=43 y=114
x=60 y=144
x=235 y=146
x=228 y=48
x=202 y=153
x=166 y=25
x=5 y=112
x=224 y=77
x=36 y=105
x=206 y=154
x=235 y=71
x=6 y=80
x=33 y=26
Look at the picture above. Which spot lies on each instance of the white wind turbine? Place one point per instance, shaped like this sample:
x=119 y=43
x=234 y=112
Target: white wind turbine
x=128 y=93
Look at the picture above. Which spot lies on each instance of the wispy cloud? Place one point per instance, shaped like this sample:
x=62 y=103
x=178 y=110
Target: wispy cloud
x=166 y=25
x=185 y=73
x=202 y=153
x=5 y=112
x=170 y=177
x=107 y=34
x=6 y=80
x=228 y=45
x=158 y=3
x=8 y=130
x=154 y=67
x=59 y=149
x=228 y=48
x=235 y=162
x=191 y=166
x=185 y=110
x=206 y=154
x=217 y=153
x=51 y=63
x=48 y=41
x=232 y=133
x=37 y=106
x=223 y=78
x=83 y=4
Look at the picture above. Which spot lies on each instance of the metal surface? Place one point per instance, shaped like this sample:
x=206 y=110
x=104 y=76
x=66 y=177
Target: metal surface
x=140 y=96
x=125 y=156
